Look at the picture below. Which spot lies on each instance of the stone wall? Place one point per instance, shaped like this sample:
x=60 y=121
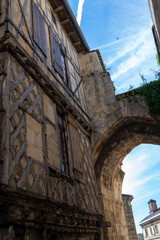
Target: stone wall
x=114 y=209
x=120 y=123
x=129 y=216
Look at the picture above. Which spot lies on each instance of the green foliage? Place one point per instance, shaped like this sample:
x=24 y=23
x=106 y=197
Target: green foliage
x=140 y=236
x=158 y=59
x=151 y=93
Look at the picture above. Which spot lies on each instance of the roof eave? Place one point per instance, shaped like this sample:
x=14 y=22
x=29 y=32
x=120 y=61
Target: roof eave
x=69 y=22
x=143 y=222
x=75 y=23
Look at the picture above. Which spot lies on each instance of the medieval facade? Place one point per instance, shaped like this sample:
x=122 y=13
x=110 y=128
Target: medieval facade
x=63 y=132
x=48 y=186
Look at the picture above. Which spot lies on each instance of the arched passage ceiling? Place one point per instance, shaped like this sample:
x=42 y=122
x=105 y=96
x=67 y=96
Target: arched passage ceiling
x=125 y=136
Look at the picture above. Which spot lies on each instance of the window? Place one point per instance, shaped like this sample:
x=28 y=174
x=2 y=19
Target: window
x=64 y=68
x=74 y=80
x=155 y=229
x=39 y=33
x=58 y=58
x=63 y=144
x=76 y=150
x=146 y=232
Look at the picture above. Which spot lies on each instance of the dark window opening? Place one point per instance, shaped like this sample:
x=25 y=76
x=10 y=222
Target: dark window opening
x=156 y=229
x=74 y=82
x=63 y=145
x=146 y=232
x=64 y=68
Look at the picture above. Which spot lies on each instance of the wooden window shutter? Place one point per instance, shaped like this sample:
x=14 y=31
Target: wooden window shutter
x=56 y=54
x=76 y=152
x=39 y=33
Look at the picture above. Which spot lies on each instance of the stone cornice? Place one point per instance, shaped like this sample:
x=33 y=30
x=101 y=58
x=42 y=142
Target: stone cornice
x=24 y=208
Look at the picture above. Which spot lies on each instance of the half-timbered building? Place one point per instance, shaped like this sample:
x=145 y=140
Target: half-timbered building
x=48 y=186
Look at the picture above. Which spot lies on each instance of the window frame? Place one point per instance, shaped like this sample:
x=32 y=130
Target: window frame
x=65 y=168
x=64 y=67
x=76 y=152
x=55 y=52
x=156 y=229
x=73 y=75
x=151 y=230
x=146 y=232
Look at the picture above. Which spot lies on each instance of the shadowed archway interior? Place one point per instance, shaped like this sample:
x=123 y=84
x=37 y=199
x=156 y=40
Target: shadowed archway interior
x=123 y=138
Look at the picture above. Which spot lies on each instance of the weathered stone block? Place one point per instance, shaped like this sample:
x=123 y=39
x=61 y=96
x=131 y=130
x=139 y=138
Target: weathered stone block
x=90 y=63
x=49 y=108
x=52 y=147
x=34 y=153
x=34 y=139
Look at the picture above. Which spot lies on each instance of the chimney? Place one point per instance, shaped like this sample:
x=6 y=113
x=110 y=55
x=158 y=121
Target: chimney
x=152 y=206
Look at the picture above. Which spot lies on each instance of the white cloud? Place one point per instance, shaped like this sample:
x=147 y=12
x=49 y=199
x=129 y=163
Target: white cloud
x=144 y=49
x=115 y=42
x=138 y=172
x=133 y=186
x=133 y=167
x=135 y=78
x=144 y=196
x=131 y=56
x=79 y=11
x=142 y=178
x=131 y=45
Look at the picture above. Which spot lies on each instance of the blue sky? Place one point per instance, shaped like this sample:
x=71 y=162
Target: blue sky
x=142 y=168
x=124 y=38
x=121 y=30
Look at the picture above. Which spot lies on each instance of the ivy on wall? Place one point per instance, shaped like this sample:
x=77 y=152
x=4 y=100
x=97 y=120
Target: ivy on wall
x=151 y=93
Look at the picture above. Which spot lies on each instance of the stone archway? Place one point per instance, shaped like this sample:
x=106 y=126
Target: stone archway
x=123 y=137
x=120 y=123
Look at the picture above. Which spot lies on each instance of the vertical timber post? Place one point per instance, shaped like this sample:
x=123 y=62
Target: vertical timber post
x=4 y=117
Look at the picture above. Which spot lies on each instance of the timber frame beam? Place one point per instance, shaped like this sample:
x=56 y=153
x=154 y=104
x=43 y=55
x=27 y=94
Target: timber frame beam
x=43 y=80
